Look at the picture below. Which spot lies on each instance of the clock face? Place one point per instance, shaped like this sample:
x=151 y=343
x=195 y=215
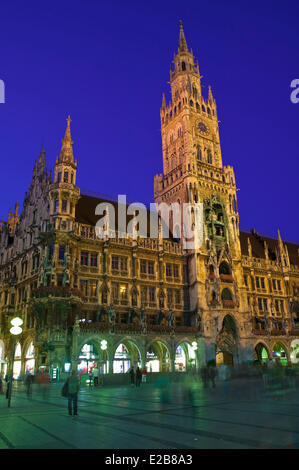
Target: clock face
x=203 y=128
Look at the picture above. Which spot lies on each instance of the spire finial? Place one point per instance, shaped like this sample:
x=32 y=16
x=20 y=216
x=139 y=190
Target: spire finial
x=182 y=40
x=66 y=153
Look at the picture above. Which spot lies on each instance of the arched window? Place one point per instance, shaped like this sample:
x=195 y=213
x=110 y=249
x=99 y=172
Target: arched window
x=183 y=66
x=226 y=294
x=198 y=153
x=191 y=103
x=210 y=158
x=224 y=268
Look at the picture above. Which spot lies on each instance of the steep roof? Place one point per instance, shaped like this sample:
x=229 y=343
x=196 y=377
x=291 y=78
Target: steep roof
x=257 y=246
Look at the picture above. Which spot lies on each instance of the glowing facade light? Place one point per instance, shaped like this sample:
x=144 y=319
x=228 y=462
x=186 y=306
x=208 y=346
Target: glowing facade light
x=17 y=321
x=16 y=326
x=194 y=345
x=103 y=344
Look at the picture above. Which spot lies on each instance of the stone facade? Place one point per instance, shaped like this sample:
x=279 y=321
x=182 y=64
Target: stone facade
x=234 y=296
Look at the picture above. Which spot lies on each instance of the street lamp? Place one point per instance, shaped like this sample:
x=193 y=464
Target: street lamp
x=15 y=331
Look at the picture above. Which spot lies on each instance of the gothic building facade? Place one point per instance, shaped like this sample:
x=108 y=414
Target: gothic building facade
x=116 y=302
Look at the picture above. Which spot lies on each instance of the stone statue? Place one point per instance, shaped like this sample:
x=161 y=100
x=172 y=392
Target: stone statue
x=66 y=272
x=170 y=319
x=111 y=314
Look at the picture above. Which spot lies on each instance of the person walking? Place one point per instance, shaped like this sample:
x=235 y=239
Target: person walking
x=28 y=384
x=143 y=373
x=44 y=380
x=95 y=376
x=73 y=384
x=212 y=372
x=132 y=375
x=1 y=386
x=204 y=375
x=8 y=380
x=138 y=376
x=90 y=375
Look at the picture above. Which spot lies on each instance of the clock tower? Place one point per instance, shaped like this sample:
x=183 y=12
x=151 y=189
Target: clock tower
x=193 y=173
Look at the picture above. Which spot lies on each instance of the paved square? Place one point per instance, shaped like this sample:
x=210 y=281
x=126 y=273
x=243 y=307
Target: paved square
x=238 y=414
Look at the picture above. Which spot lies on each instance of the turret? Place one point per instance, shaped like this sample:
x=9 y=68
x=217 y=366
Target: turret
x=64 y=193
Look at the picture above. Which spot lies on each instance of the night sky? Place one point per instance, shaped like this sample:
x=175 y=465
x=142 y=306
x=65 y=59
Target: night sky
x=107 y=65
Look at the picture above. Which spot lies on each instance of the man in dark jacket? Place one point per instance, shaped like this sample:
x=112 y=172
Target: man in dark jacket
x=73 y=389
x=138 y=377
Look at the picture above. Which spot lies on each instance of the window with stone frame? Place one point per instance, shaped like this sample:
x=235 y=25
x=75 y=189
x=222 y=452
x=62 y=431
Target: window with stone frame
x=176 y=271
x=177 y=296
x=59 y=279
x=84 y=287
x=152 y=294
x=257 y=282
x=115 y=291
x=93 y=284
x=93 y=259
x=61 y=252
x=170 y=297
x=123 y=263
x=123 y=290
x=84 y=258
x=151 y=267
x=168 y=270
x=63 y=205
x=143 y=291
x=114 y=262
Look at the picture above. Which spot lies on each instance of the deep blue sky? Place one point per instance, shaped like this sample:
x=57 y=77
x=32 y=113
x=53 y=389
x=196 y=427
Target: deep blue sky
x=107 y=64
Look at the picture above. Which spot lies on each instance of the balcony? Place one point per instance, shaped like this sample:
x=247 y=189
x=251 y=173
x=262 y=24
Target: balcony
x=56 y=291
x=228 y=303
x=226 y=277
x=260 y=332
x=278 y=332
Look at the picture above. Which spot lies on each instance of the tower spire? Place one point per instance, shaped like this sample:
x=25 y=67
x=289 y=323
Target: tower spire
x=66 y=154
x=182 y=40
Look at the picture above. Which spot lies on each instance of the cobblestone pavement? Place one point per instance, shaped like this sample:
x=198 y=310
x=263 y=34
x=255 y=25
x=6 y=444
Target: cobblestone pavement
x=239 y=414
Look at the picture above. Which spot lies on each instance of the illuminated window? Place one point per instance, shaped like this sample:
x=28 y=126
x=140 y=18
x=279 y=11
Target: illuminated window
x=123 y=291
x=93 y=288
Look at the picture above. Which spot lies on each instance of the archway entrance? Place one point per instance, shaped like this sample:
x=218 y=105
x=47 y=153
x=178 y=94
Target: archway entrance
x=29 y=360
x=279 y=354
x=88 y=358
x=226 y=347
x=3 y=363
x=294 y=354
x=17 y=362
x=261 y=354
x=224 y=358
x=184 y=357
x=157 y=357
x=126 y=355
